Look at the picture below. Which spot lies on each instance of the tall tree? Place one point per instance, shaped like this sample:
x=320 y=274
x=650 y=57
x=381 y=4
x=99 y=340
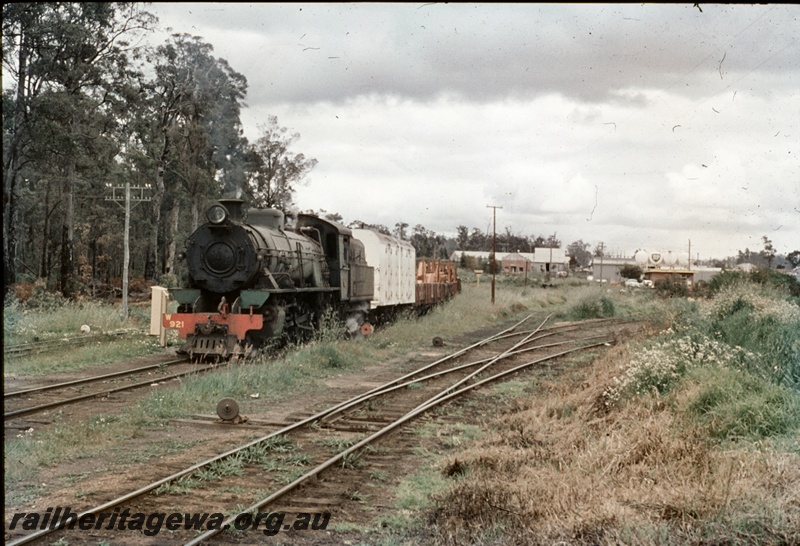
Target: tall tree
x=400 y=230
x=479 y=241
x=579 y=255
x=190 y=137
x=462 y=237
x=19 y=23
x=273 y=171
x=70 y=58
x=769 y=251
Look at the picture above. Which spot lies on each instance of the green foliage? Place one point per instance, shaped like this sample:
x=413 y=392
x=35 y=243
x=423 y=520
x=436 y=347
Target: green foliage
x=787 y=284
x=759 y=319
x=671 y=288
x=734 y=404
x=733 y=363
x=46 y=316
x=629 y=271
x=592 y=307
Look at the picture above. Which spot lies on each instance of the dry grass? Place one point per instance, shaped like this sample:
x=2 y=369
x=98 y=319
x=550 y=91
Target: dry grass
x=567 y=468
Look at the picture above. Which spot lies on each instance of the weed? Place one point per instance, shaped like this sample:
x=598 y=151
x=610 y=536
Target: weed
x=181 y=486
x=592 y=308
x=733 y=404
x=378 y=476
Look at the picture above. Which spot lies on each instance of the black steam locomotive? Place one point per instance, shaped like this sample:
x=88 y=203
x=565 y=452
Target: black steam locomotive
x=251 y=278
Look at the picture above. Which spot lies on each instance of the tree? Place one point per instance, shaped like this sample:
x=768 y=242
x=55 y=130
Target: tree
x=579 y=254
x=190 y=135
x=511 y=242
x=380 y=228
x=400 y=230
x=478 y=240
x=273 y=171
x=600 y=249
x=793 y=258
x=69 y=61
x=629 y=271
x=462 y=237
x=552 y=242
x=769 y=251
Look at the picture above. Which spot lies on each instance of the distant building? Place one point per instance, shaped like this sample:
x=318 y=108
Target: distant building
x=705 y=274
x=684 y=275
x=517 y=262
x=550 y=260
x=607 y=269
x=540 y=261
x=655 y=266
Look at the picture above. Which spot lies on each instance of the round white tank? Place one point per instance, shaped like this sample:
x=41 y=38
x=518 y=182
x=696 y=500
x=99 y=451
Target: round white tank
x=641 y=256
x=656 y=258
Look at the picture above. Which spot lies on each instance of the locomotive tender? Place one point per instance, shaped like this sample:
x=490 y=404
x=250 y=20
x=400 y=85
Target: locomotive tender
x=251 y=279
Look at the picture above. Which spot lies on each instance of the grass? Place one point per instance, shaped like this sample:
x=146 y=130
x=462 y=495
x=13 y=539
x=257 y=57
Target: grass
x=560 y=452
x=25 y=323
x=87 y=356
x=733 y=405
x=301 y=370
x=689 y=437
x=60 y=319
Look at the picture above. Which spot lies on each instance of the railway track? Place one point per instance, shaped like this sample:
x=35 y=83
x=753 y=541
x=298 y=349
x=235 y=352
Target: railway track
x=335 y=437
x=49 y=345
x=30 y=401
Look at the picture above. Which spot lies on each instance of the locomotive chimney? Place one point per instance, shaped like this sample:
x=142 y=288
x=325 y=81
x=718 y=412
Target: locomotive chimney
x=234 y=207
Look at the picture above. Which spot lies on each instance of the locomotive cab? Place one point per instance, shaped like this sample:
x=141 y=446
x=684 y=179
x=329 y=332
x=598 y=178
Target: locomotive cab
x=344 y=255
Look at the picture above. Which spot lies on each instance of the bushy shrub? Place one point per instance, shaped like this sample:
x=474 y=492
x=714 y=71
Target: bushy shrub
x=762 y=320
x=36 y=296
x=658 y=367
x=734 y=366
x=590 y=308
x=671 y=287
x=786 y=284
x=733 y=404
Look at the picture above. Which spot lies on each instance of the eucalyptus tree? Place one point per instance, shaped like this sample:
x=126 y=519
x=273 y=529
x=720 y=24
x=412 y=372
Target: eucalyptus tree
x=579 y=254
x=400 y=230
x=478 y=240
x=273 y=170
x=193 y=139
x=462 y=237
x=68 y=60
x=428 y=243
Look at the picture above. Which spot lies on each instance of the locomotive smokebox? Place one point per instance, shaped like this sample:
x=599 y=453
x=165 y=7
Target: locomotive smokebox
x=234 y=207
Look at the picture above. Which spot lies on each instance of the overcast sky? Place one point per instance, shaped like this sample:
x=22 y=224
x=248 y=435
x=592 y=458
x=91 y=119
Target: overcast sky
x=642 y=126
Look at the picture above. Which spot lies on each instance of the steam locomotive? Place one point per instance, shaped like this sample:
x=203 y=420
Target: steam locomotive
x=251 y=279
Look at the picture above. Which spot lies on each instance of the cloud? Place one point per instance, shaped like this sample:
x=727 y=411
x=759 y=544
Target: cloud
x=638 y=125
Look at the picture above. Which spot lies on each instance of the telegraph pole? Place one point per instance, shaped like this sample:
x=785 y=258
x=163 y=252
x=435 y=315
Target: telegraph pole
x=127 y=206
x=689 y=263
x=602 y=247
x=494 y=243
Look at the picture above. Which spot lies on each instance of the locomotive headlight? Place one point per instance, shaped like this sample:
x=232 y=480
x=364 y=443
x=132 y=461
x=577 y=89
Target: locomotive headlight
x=217 y=214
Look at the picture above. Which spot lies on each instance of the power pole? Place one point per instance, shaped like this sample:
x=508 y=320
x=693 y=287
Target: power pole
x=602 y=247
x=689 y=263
x=494 y=243
x=127 y=206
